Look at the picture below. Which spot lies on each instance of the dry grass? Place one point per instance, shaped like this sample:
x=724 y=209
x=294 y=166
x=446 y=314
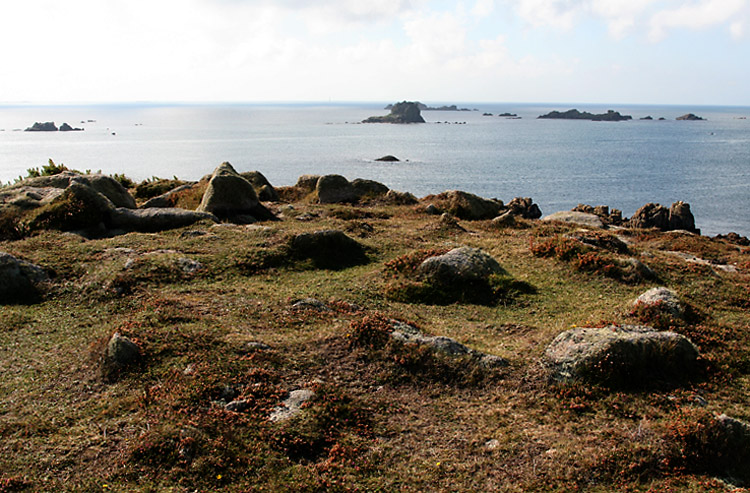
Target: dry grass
x=383 y=420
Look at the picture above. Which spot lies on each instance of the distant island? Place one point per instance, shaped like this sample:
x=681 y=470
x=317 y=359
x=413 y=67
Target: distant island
x=403 y=112
x=690 y=117
x=424 y=107
x=609 y=116
x=51 y=127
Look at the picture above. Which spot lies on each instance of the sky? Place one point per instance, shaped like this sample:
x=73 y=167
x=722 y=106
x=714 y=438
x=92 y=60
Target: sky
x=589 y=51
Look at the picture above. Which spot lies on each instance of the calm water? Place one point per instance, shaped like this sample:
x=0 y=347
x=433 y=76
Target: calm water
x=559 y=163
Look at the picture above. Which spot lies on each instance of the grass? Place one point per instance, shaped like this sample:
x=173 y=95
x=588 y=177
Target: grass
x=385 y=417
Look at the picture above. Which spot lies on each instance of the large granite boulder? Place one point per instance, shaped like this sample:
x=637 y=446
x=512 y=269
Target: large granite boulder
x=575 y=217
x=622 y=356
x=661 y=299
x=329 y=249
x=369 y=188
x=78 y=208
x=307 y=183
x=403 y=112
x=263 y=187
x=229 y=196
x=460 y=266
x=19 y=280
x=155 y=219
x=167 y=199
x=106 y=185
x=335 y=189
x=465 y=205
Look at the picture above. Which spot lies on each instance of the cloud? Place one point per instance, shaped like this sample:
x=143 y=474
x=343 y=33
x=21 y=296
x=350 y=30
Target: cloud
x=555 y=13
x=701 y=15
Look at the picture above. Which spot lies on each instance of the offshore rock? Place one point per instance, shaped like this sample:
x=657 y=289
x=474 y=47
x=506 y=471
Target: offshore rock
x=403 y=112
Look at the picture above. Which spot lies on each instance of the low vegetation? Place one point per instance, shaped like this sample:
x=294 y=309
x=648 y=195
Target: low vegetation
x=216 y=314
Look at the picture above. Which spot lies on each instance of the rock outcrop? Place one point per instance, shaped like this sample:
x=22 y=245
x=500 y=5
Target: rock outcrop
x=231 y=197
x=19 y=280
x=42 y=127
x=388 y=159
x=465 y=205
x=460 y=266
x=581 y=218
x=329 y=249
x=689 y=117
x=677 y=217
x=263 y=187
x=661 y=299
x=622 y=356
x=403 y=112
x=524 y=207
x=155 y=219
x=335 y=189
x=609 y=116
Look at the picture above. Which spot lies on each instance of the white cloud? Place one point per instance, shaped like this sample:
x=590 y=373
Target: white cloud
x=701 y=15
x=555 y=13
x=737 y=29
x=620 y=15
x=483 y=8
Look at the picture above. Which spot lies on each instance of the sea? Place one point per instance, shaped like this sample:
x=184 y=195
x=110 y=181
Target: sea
x=558 y=163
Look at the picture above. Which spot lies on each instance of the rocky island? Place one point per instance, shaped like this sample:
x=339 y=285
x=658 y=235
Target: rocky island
x=574 y=114
x=690 y=117
x=51 y=127
x=403 y=112
x=424 y=107
x=337 y=335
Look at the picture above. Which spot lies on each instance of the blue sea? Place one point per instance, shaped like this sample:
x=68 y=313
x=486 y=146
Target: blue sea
x=559 y=163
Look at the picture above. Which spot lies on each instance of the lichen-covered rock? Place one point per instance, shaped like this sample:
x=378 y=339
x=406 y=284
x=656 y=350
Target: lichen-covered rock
x=78 y=208
x=263 y=187
x=459 y=266
x=681 y=218
x=400 y=198
x=369 y=188
x=122 y=351
x=228 y=194
x=586 y=219
x=465 y=205
x=307 y=183
x=662 y=299
x=106 y=185
x=167 y=199
x=335 y=189
x=329 y=249
x=19 y=279
x=291 y=406
x=156 y=218
x=622 y=356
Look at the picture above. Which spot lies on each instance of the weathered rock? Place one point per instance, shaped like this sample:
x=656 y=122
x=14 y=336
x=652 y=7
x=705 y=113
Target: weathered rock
x=291 y=406
x=409 y=334
x=689 y=117
x=310 y=304
x=78 y=208
x=156 y=218
x=622 y=356
x=388 y=159
x=228 y=194
x=67 y=128
x=465 y=205
x=122 y=351
x=19 y=280
x=238 y=406
x=400 y=198
x=168 y=199
x=651 y=216
x=335 y=189
x=308 y=183
x=575 y=217
x=262 y=186
x=505 y=219
x=734 y=238
x=369 y=188
x=663 y=299
x=680 y=217
x=25 y=197
x=106 y=185
x=524 y=207
x=609 y=116
x=330 y=249
x=459 y=266
x=403 y=112
x=431 y=209
x=613 y=217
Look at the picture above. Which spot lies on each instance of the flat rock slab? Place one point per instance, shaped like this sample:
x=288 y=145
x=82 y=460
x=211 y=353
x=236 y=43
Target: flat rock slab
x=621 y=356
x=291 y=406
x=575 y=217
x=155 y=219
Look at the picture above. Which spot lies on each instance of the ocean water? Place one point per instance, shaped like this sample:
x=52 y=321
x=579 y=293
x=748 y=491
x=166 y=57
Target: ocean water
x=559 y=163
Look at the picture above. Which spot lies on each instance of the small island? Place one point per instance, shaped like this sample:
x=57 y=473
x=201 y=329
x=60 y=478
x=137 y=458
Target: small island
x=424 y=107
x=403 y=112
x=51 y=127
x=690 y=117
x=609 y=116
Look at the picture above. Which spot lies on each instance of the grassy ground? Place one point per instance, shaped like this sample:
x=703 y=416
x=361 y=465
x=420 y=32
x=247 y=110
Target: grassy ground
x=382 y=419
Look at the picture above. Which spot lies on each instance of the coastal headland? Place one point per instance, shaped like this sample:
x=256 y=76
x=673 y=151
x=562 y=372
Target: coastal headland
x=336 y=334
